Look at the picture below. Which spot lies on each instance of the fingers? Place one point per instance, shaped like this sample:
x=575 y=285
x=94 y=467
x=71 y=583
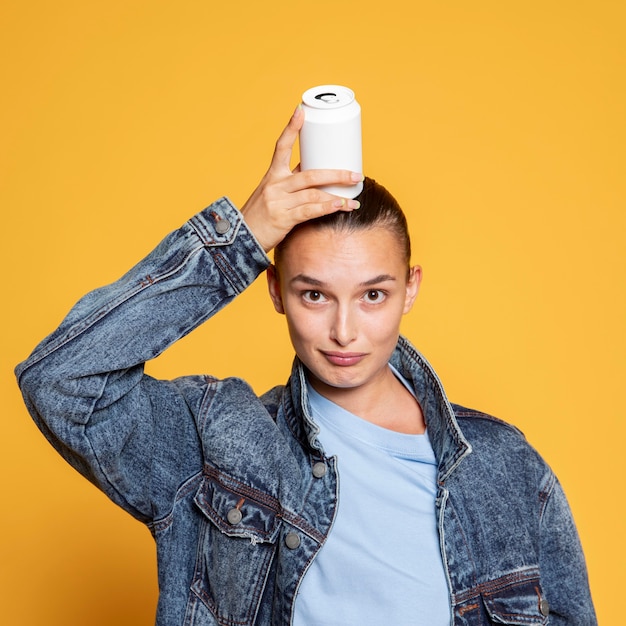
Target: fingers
x=305 y=179
x=281 y=161
x=271 y=213
x=288 y=197
x=307 y=212
x=311 y=203
x=313 y=197
x=287 y=139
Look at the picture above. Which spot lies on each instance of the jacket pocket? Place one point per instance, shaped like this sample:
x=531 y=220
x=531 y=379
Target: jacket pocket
x=519 y=603
x=236 y=548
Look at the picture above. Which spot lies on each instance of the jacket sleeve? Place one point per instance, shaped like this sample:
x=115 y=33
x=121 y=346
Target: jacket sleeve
x=85 y=387
x=562 y=563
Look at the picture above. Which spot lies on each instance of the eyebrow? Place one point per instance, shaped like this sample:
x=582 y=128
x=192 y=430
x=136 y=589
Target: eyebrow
x=314 y=282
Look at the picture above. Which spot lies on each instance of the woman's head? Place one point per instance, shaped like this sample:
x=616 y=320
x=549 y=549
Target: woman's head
x=378 y=208
x=344 y=282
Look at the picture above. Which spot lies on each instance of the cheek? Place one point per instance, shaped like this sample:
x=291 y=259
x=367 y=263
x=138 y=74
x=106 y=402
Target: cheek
x=387 y=322
x=303 y=327
x=384 y=334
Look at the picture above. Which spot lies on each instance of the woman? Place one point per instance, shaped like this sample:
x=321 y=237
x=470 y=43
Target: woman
x=356 y=493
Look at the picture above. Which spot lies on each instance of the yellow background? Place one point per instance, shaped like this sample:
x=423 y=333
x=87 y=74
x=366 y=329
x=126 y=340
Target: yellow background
x=498 y=125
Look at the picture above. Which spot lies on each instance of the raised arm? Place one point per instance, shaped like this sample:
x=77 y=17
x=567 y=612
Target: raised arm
x=85 y=386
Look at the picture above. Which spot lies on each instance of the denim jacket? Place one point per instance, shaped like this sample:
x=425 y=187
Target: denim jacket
x=236 y=489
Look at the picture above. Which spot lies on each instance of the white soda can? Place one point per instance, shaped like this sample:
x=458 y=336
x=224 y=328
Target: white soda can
x=331 y=135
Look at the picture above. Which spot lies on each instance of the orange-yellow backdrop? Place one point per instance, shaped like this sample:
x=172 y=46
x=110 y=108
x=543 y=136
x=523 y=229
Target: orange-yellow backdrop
x=499 y=126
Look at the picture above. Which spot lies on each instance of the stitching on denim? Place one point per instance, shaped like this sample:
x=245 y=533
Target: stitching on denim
x=207 y=399
x=260 y=498
x=257 y=589
x=122 y=499
x=463 y=446
x=191 y=484
x=313 y=483
x=203 y=233
x=235 y=485
x=466 y=609
x=472 y=414
x=293 y=424
x=453 y=513
x=297 y=583
x=539 y=597
x=301 y=524
x=254 y=604
x=227 y=271
x=135 y=287
x=521 y=617
x=545 y=495
x=493 y=586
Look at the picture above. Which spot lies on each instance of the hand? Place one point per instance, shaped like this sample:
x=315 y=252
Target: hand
x=285 y=198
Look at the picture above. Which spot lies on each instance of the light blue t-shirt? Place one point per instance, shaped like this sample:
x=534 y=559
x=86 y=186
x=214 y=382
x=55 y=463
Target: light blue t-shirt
x=381 y=563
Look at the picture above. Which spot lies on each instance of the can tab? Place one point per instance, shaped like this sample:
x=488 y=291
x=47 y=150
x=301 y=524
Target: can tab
x=329 y=98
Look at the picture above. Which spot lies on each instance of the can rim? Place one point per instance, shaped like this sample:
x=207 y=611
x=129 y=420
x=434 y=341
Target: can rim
x=311 y=97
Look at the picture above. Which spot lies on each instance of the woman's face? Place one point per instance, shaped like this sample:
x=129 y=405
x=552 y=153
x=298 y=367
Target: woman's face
x=344 y=294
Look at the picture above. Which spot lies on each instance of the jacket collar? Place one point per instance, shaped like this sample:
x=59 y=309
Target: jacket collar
x=447 y=440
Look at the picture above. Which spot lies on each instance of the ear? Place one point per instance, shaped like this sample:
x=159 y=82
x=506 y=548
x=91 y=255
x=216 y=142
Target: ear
x=412 y=287
x=273 y=285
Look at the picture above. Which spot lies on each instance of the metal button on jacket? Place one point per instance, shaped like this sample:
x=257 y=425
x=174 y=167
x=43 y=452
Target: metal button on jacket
x=234 y=516
x=222 y=226
x=292 y=540
x=319 y=469
x=544 y=607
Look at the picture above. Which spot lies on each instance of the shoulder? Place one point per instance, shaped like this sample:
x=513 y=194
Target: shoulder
x=502 y=457
x=205 y=392
x=271 y=399
x=201 y=390
x=496 y=440
x=483 y=422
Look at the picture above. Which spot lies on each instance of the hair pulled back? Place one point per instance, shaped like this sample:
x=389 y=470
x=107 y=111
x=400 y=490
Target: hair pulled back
x=378 y=208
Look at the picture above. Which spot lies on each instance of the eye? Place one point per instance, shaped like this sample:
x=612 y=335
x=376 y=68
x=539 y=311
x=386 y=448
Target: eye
x=373 y=296
x=312 y=296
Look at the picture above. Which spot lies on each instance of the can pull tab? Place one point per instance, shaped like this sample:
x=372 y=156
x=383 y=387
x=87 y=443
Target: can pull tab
x=329 y=98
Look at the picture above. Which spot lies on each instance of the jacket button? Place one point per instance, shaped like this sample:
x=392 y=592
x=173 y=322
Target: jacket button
x=319 y=469
x=234 y=516
x=544 y=607
x=292 y=540
x=222 y=226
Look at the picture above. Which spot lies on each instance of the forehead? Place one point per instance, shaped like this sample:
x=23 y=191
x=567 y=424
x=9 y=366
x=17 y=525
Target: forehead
x=336 y=254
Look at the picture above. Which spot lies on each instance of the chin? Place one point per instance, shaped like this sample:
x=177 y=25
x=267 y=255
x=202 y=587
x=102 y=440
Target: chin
x=336 y=382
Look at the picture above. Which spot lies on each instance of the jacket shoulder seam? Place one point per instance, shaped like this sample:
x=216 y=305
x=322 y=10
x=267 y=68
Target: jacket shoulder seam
x=464 y=413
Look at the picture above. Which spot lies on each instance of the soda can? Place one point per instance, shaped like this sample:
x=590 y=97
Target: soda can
x=331 y=135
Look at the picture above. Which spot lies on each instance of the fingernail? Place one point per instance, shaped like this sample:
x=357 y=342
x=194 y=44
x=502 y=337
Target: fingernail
x=354 y=204
x=298 y=108
x=340 y=202
x=357 y=178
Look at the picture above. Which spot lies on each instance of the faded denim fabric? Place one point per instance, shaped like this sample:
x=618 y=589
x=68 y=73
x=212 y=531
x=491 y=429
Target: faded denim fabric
x=225 y=480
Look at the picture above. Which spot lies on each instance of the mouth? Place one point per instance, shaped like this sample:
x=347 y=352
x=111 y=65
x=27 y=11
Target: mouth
x=344 y=359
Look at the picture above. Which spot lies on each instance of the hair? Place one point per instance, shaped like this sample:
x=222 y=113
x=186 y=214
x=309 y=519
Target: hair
x=378 y=208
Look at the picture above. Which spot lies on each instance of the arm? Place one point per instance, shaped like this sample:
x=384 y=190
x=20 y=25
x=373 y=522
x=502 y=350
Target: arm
x=562 y=564
x=84 y=385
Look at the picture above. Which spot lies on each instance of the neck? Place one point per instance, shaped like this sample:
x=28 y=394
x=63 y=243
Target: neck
x=385 y=402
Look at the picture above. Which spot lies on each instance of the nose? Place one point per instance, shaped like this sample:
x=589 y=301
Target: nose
x=343 y=330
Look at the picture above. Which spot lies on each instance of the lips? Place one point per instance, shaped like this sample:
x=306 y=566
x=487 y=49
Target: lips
x=344 y=359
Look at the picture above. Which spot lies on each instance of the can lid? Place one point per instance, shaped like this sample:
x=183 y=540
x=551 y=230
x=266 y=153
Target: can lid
x=328 y=97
